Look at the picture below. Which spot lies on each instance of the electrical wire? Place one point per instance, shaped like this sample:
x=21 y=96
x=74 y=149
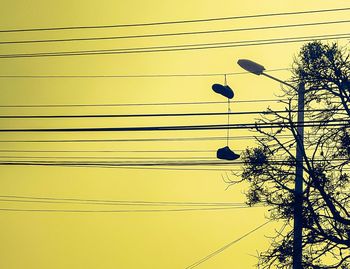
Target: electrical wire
x=35 y=199
x=137 y=168
x=175 y=22
x=164 y=114
x=110 y=157
x=119 y=203
x=139 y=104
x=212 y=138
x=183 y=47
x=225 y=247
x=180 y=127
x=140 y=75
x=130 y=140
x=162 y=168
x=145 y=168
x=124 y=210
x=152 y=163
x=175 y=34
x=104 y=151
x=156 y=160
x=152 y=168
x=117 y=164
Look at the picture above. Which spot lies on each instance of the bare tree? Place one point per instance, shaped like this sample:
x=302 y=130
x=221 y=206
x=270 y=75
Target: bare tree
x=270 y=167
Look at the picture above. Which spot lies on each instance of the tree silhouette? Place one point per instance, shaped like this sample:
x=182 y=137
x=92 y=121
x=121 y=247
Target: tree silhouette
x=269 y=168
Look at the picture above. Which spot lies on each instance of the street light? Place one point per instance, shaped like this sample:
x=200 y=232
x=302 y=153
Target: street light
x=258 y=69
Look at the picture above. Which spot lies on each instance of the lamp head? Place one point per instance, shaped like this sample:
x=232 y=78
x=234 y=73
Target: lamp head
x=251 y=66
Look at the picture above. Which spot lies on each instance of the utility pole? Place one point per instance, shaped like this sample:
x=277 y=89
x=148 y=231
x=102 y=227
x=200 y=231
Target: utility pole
x=258 y=69
x=298 y=189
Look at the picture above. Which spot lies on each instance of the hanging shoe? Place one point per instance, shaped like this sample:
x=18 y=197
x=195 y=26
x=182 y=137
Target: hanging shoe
x=224 y=90
x=226 y=153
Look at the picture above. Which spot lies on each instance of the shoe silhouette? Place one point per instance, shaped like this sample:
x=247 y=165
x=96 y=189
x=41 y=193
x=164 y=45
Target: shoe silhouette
x=226 y=153
x=224 y=90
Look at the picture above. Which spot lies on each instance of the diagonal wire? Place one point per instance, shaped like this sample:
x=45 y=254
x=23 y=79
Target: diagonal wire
x=182 y=47
x=174 y=34
x=176 y=22
x=225 y=247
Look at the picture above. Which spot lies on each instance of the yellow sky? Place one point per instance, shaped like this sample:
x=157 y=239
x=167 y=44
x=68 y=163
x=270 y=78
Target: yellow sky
x=35 y=240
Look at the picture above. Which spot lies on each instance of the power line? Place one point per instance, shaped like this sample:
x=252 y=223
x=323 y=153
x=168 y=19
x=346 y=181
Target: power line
x=175 y=22
x=129 y=140
x=174 y=34
x=140 y=104
x=182 y=159
x=162 y=114
x=151 y=168
x=161 y=168
x=151 y=163
x=106 y=166
x=139 y=168
x=183 y=47
x=138 y=75
x=104 y=151
x=133 y=115
x=126 y=203
x=155 y=165
x=118 y=164
x=215 y=138
x=124 y=210
x=225 y=247
x=179 y=127
x=147 y=157
x=111 y=157
x=35 y=199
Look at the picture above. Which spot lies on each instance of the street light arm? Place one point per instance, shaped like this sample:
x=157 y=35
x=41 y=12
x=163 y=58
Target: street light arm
x=280 y=81
x=258 y=69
